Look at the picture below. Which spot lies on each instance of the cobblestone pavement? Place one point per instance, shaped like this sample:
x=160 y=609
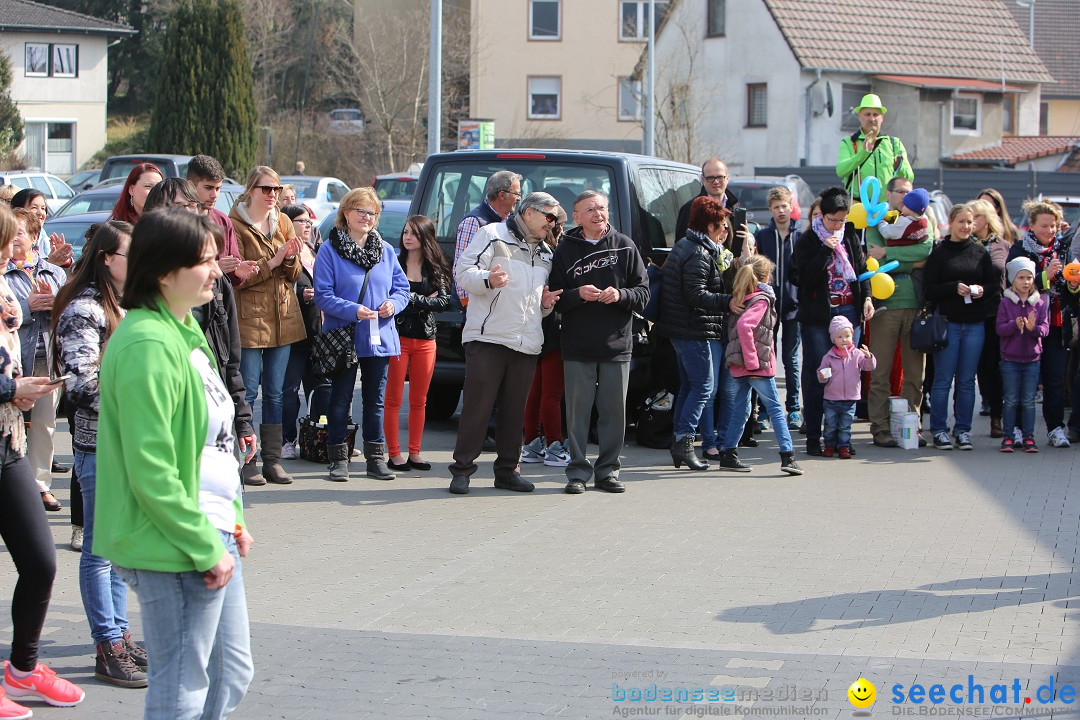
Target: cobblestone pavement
x=396 y=599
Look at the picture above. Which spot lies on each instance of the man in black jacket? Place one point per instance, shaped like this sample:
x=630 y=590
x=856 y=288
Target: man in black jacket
x=603 y=280
x=714 y=182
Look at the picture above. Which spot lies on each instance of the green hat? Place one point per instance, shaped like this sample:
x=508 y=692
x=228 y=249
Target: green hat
x=870 y=100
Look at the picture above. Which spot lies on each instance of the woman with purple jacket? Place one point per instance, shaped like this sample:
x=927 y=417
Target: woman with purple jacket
x=354 y=251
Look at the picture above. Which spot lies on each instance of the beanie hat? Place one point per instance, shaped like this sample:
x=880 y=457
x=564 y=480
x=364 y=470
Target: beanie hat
x=917 y=201
x=839 y=323
x=1016 y=265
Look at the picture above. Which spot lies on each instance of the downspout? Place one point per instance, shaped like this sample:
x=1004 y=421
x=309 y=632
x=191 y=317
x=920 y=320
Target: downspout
x=941 y=147
x=809 y=113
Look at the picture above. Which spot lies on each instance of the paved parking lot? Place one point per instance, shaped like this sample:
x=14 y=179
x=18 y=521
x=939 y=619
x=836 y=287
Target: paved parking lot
x=774 y=593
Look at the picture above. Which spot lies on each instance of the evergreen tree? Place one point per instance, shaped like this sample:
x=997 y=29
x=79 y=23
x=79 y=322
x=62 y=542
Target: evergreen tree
x=205 y=101
x=11 y=124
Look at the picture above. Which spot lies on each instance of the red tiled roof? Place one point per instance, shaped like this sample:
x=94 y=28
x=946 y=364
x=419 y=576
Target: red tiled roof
x=931 y=38
x=1057 y=32
x=951 y=83
x=1013 y=150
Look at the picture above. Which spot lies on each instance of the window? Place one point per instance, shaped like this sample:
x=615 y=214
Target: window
x=849 y=100
x=60 y=189
x=544 y=103
x=336 y=192
x=756 y=105
x=544 y=20
x=51 y=60
x=714 y=21
x=661 y=193
x=1008 y=114
x=634 y=18
x=630 y=100
x=966 y=110
x=1044 y=118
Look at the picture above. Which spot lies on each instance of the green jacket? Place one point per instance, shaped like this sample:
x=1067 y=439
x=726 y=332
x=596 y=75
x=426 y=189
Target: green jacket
x=852 y=165
x=903 y=297
x=151 y=432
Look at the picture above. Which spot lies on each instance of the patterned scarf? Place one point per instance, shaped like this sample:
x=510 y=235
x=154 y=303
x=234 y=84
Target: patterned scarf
x=724 y=257
x=367 y=256
x=11 y=417
x=1044 y=255
x=841 y=265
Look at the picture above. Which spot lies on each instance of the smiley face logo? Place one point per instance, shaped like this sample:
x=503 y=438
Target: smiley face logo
x=862 y=693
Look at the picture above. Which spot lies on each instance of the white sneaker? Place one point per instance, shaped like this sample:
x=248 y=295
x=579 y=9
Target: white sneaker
x=533 y=452
x=557 y=455
x=76 y=537
x=1018 y=437
x=288 y=451
x=1058 y=438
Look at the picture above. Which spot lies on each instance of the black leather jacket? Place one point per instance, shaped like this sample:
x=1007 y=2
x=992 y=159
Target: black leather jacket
x=308 y=311
x=417 y=320
x=217 y=319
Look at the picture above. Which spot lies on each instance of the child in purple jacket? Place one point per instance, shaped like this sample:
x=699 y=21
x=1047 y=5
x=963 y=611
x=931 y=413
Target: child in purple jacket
x=840 y=371
x=1023 y=320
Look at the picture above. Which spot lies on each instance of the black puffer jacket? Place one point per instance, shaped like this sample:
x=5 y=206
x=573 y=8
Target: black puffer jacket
x=694 y=299
x=417 y=320
x=217 y=319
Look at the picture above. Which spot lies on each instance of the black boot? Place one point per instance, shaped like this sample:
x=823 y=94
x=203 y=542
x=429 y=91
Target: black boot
x=375 y=452
x=114 y=666
x=683 y=452
x=729 y=460
x=788 y=464
x=271 y=455
x=339 y=462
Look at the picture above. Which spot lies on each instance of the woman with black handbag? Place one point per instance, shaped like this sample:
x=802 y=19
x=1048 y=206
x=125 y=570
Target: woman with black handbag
x=359 y=285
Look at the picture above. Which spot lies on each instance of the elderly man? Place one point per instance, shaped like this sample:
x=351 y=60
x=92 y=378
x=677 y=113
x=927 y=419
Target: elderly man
x=505 y=271
x=869 y=153
x=603 y=283
x=501 y=193
x=714 y=182
x=886 y=328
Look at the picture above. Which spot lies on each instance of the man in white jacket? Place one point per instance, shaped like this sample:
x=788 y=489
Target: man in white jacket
x=504 y=270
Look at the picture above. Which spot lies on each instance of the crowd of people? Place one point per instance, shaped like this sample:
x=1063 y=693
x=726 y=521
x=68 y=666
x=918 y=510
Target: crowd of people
x=176 y=317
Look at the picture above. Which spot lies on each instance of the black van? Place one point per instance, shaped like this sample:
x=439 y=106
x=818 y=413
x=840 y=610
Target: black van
x=645 y=195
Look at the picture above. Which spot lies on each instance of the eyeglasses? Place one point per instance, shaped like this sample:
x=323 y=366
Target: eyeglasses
x=833 y=220
x=119 y=253
x=512 y=193
x=270 y=189
x=715 y=178
x=364 y=213
x=187 y=205
x=302 y=221
x=596 y=209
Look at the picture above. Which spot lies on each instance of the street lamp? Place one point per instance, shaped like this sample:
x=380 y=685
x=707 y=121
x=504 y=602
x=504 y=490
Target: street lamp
x=1030 y=5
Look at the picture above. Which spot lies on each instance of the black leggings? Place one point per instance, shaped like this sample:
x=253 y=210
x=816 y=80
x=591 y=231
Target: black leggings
x=26 y=533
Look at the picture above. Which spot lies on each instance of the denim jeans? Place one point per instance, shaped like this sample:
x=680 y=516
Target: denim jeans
x=104 y=594
x=724 y=408
x=815 y=343
x=1019 y=381
x=766 y=390
x=265 y=366
x=789 y=353
x=316 y=390
x=838 y=417
x=198 y=640
x=699 y=369
x=372 y=386
x=958 y=360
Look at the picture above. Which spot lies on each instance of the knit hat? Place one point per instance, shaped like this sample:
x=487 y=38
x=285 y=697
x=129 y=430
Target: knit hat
x=917 y=201
x=839 y=324
x=1016 y=265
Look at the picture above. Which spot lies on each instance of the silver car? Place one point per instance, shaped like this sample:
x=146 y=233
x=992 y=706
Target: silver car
x=321 y=195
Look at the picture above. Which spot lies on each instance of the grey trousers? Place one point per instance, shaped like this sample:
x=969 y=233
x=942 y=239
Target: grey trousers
x=603 y=384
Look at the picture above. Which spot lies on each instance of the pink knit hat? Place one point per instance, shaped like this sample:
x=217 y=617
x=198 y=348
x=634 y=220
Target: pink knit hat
x=838 y=324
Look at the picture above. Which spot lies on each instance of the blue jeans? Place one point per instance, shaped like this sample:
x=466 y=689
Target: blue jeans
x=789 y=354
x=839 y=415
x=316 y=390
x=1019 y=381
x=104 y=594
x=699 y=368
x=766 y=390
x=198 y=640
x=960 y=360
x=815 y=343
x=265 y=366
x=372 y=388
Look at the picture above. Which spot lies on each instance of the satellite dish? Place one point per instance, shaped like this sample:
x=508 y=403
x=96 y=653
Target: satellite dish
x=828 y=98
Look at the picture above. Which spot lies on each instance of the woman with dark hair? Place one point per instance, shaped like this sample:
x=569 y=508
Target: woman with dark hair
x=168 y=474
x=316 y=390
x=86 y=312
x=429 y=293
x=23 y=525
x=692 y=305
x=175 y=193
x=52 y=247
x=1009 y=232
x=825 y=265
x=140 y=181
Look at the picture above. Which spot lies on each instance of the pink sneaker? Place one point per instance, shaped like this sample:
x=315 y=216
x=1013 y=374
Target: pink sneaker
x=45 y=684
x=11 y=710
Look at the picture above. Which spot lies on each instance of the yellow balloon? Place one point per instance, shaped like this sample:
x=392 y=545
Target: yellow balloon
x=882 y=286
x=872 y=264
x=857 y=216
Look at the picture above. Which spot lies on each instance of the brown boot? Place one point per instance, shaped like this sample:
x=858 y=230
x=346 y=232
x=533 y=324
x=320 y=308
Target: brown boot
x=251 y=475
x=270 y=435
x=995 y=427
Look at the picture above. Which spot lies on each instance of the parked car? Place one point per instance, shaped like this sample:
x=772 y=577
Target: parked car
x=103 y=198
x=938 y=211
x=321 y=195
x=346 y=121
x=396 y=186
x=753 y=195
x=391 y=222
x=84 y=180
x=74 y=226
x=119 y=166
x=56 y=191
x=644 y=193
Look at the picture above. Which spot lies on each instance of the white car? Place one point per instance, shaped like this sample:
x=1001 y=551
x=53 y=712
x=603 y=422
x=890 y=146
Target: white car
x=321 y=195
x=56 y=191
x=346 y=121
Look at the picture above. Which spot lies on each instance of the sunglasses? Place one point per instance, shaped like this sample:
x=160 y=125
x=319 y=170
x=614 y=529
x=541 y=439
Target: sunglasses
x=552 y=217
x=270 y=189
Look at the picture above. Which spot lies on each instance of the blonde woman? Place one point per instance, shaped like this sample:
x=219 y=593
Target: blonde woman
x=270 y=319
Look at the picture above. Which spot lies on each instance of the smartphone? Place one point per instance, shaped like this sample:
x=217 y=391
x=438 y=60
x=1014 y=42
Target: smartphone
x=62 y=378
x=738 y=219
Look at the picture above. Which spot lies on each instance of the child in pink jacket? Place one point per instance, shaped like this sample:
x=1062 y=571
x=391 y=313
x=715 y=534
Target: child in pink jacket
x=841 y=372
x=750 y=355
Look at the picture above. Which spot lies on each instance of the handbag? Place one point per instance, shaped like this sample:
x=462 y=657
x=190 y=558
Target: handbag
x=312 y=439
x=929 y=332
x=334 y=352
